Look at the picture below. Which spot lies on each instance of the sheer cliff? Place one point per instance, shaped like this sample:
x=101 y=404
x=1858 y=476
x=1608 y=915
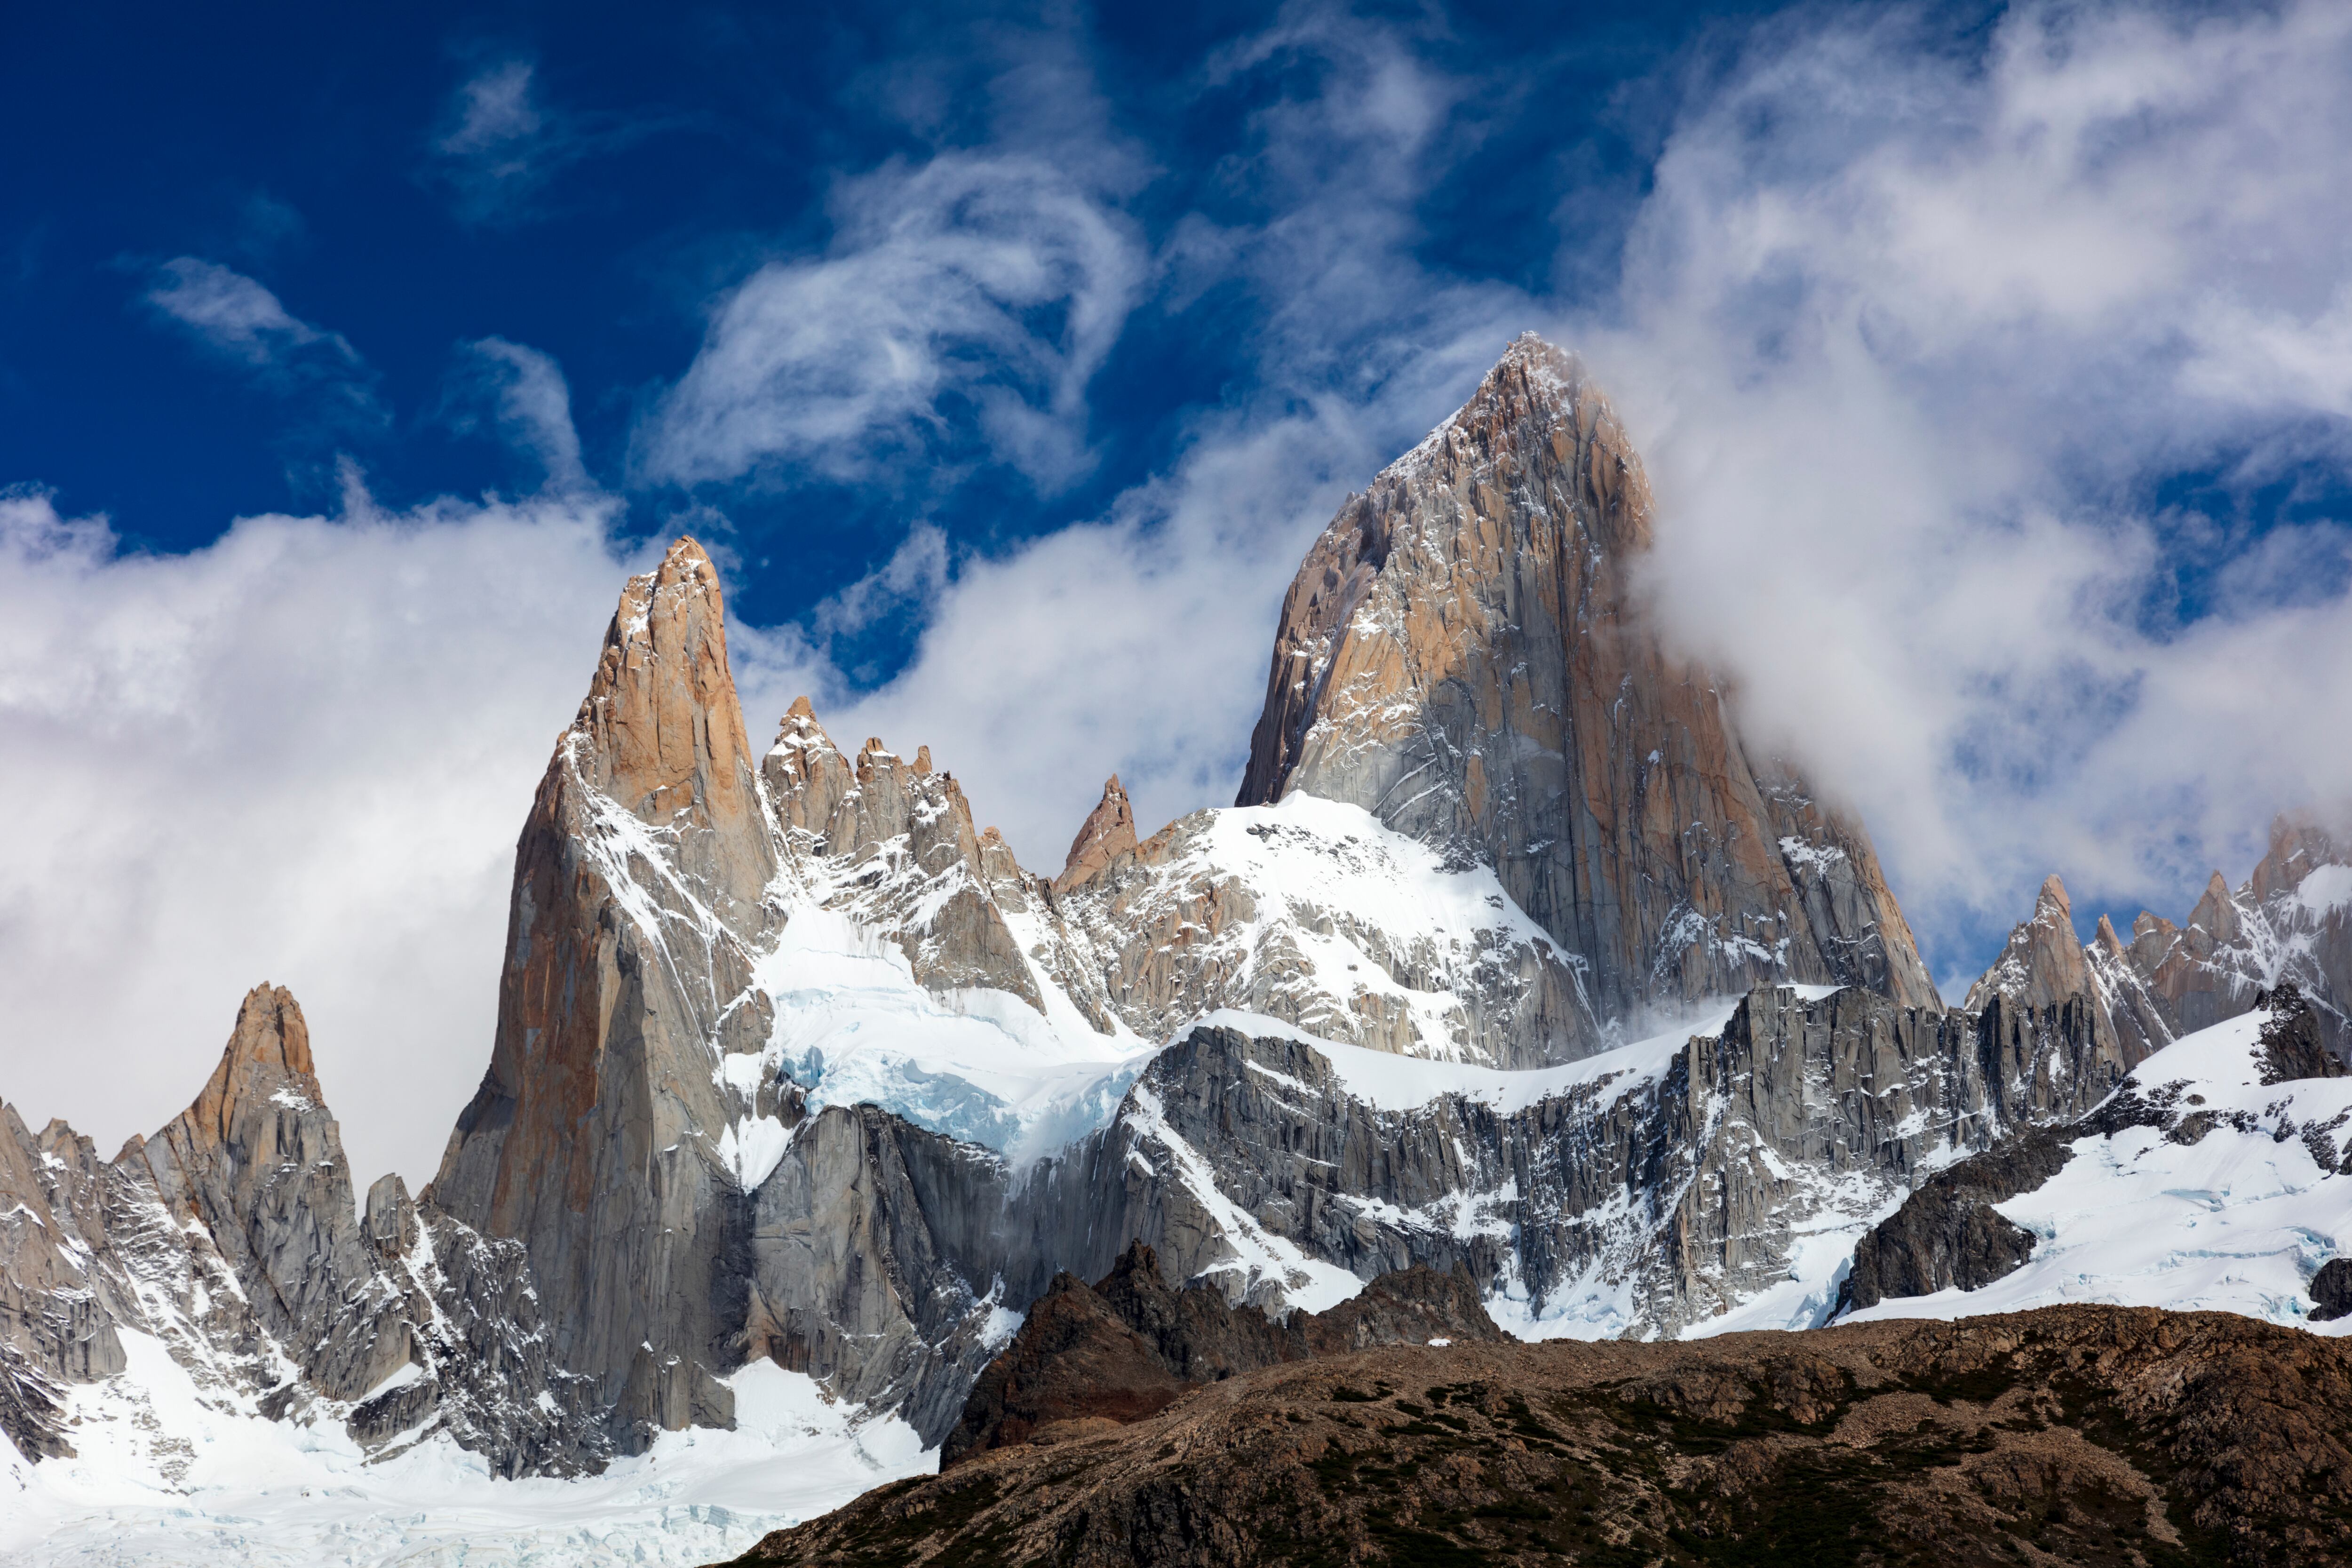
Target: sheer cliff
x=1463 y=655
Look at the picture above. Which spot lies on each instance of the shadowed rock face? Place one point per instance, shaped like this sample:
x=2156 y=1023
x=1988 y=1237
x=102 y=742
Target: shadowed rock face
x=1947 y=1233
x=2331 y=1289
x=2082 y=1434
x=1460 y=655
x=1681 y=1192
x=232 y=1238
x=1130 y=1346
x=258 y=1161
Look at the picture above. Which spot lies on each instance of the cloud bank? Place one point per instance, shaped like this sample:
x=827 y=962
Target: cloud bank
x=1917 y=366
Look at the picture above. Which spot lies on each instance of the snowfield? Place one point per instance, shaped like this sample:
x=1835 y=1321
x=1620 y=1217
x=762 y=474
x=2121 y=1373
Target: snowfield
x=2236 y=1222
x=164 y=1478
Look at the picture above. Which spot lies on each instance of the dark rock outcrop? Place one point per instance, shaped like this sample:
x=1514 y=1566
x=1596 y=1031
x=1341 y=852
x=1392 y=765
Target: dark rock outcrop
x=1947 y=1235
x=1130 y=1346
x=2331 y=1292
x=2090 y=1435
x=2293 y=1044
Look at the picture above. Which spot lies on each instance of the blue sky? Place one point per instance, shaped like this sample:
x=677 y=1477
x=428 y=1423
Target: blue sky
x=1993 y=366
x=399 y=182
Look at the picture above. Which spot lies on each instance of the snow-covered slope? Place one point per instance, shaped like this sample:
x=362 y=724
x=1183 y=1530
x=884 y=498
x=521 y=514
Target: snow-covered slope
x=1314 y=913
x=2228 y=1196
x=167 y=1475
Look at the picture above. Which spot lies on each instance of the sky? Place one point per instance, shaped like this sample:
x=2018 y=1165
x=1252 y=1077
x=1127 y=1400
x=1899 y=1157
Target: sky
x=1992 y=366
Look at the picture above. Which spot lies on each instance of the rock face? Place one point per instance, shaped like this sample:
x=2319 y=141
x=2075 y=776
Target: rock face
x=2331 y=1290
x=1460 y=655
x=232 y=1237
x=1130 y=1346
x=1947 y=1235
x=1107 y=833
x=2290 y=922
x=1641 y=1198
x=636 y=913
x=2293 y=1044
x=2258 y=1092
x=2087 y=1435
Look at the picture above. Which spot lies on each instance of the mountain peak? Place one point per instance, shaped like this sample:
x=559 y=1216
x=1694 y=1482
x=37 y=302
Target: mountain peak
x=2044 y=963
x=663 y=726
x=1107 y=833
x=1461 y=655
x=270 y=1043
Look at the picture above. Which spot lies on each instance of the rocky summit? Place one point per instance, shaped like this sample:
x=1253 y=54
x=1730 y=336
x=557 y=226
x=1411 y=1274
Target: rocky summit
x=1517 y=994
x=1461 y=655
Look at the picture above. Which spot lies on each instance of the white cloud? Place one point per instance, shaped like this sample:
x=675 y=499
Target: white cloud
x=526 y=399
x=1909 y=338
x=298 y=754
x=994 y=277
x=235 y=317
x=1139 y=643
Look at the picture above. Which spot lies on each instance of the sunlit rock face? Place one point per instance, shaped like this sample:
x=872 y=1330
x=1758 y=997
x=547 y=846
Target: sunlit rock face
x=1461 y=655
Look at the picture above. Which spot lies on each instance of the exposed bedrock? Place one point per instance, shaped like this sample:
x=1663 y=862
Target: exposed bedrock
x=1461 y=655
x=1947 y=1235
x=1129 y=1345
x=2290 y=923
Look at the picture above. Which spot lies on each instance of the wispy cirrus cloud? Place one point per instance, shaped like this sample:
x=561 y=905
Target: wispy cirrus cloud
x=500 y=145
x=520 y=393
x=993 y=278
x=241 y=322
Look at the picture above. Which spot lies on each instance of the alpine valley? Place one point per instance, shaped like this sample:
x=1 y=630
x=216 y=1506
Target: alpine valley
x=1514 y=981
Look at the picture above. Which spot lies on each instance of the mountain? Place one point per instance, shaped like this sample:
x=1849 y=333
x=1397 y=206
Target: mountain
x=2289 y=922
x=226 y=1255
x=1461 y=655
x=1513 y=967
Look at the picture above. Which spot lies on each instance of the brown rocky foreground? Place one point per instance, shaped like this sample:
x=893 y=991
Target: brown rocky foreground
x=2076 y=1435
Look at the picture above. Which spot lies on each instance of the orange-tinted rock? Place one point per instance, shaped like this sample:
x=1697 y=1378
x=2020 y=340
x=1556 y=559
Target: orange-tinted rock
x=2291 y=922
x=1461 y=655
x=1107 y=833
x=636 y=911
